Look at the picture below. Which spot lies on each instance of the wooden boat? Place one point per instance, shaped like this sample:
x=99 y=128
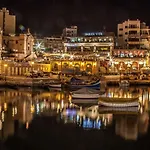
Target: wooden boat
x=124 y=83
x=119 y=110
x=86 y=93
x=119 y=102
x=84 y=101
x=78 y=83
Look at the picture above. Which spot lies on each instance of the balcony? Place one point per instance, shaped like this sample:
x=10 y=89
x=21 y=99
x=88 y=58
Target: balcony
x=134 y=35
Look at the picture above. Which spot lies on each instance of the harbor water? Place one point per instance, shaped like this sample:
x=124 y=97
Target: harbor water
x=39 y=119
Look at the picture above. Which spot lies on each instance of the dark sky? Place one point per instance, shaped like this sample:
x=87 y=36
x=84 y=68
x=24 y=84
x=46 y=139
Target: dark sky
x=51 y=16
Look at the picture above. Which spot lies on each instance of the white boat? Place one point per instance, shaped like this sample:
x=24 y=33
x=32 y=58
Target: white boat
x=124 y=83
x=55 y=85
x=86 y=93
x=119 y=102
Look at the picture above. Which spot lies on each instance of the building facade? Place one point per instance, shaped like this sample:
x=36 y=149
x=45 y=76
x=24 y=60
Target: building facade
x=7 y=22
x=54 y=44
x=101 y=45
x=133 y=34
x=1 y=35
x=19 y=45
x=128 y=60
x=70 y=32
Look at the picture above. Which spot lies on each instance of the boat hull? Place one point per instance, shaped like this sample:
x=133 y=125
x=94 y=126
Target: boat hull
x=124 y=85
x=55 y=85
x=119 y=110
x=119 y=104
x=85 y=101
x=86 y=96
x=95 y=85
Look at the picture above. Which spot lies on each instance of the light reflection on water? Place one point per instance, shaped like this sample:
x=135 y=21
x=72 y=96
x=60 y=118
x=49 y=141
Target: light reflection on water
x=24 y=104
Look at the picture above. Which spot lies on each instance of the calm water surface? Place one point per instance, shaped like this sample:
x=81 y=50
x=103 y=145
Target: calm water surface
x=23 y=105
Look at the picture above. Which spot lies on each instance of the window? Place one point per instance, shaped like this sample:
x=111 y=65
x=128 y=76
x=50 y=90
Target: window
x=126 y=26
x=120 y=35
x=121 y=29
x=126 y=33
x=132 y=32
x=16 y=42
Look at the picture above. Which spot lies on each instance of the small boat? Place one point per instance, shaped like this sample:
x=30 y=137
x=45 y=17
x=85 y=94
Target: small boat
x=78 y=83
x=119 y=110
x=55 y=85
x=124 y=83
x=119 y=102
x=84 y=101
x=86 y=93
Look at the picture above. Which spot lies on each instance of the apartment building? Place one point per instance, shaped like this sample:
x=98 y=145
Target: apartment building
x=54 y=44
x=7 y=22
x=70 y=32
x=133 y=34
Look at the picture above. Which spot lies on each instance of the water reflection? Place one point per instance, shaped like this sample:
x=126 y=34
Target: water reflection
x=24 y=104
x=131 y=126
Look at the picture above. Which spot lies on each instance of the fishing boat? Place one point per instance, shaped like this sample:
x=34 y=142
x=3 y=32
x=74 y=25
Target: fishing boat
x=84 y=101
x=124 y=83
x=119 y=102
x=79 y=83
x=86 y=93
x=53 y=84
x=119 y=110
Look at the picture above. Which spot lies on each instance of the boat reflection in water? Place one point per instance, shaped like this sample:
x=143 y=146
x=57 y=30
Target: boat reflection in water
x=131 y=126
x=23 y=105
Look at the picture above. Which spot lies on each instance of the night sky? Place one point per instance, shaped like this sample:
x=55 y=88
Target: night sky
x=49 y=17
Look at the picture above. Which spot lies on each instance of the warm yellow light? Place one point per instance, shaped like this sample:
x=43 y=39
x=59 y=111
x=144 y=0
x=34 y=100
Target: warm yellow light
x=32 y=62
x=5 y=65
x=32 y=108
x=27 y=125
x=5 y=106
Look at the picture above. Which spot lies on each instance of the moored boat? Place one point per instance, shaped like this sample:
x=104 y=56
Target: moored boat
x=119 y=102
x=55 y=85
x=84 y=101
x=86 y=93
x=124 y=83
x=119 y=110
x=78 y=83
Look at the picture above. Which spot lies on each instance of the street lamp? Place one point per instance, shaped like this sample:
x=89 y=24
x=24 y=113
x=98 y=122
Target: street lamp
x=5 y=66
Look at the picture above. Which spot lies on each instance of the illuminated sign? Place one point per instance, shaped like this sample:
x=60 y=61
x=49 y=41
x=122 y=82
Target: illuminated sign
x=93 y=34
